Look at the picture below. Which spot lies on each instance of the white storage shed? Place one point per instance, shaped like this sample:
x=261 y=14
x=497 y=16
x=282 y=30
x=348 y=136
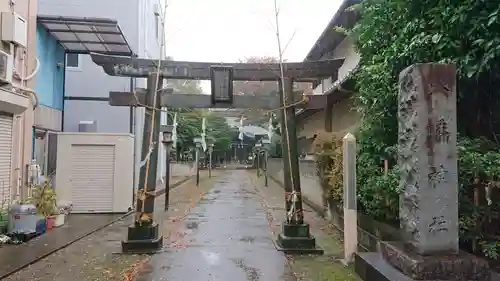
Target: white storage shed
x=95 y=171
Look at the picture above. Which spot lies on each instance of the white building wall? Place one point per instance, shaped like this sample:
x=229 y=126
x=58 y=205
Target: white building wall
x=346 y=50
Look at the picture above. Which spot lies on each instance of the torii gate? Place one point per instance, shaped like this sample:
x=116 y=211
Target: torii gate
x=144 y=234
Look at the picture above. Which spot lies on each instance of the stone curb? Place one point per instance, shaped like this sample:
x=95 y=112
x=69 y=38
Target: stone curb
x=159 y=192
x=177 y=184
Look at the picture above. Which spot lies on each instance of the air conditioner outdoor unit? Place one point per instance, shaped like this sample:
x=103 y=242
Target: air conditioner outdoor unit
x=14 y=29
x=6 y=68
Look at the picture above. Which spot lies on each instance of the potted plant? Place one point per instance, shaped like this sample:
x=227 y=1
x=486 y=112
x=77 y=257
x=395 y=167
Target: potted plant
x=60 y=217
x=44 y=198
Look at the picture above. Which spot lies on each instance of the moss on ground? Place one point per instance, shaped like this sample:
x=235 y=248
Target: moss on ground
x=327 y=266
x=321 y=268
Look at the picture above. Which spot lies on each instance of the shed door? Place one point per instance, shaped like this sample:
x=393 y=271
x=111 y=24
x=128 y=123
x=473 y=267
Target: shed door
x=6 y=124
x=92 y=173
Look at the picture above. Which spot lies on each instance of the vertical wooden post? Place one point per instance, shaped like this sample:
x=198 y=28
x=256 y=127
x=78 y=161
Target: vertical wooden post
x=197 y=163
x=329 y=112
x=293 y=149
x=266 y=156
x=148 y=172
x=287 y=179
x=144 y=234
x=295 y=236
x=257 y=156
x=350 y=198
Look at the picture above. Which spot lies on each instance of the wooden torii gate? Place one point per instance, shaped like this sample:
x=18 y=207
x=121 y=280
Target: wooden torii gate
x=144 y=234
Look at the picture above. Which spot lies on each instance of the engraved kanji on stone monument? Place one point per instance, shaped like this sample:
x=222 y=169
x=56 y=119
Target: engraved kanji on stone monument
x=427 y=157
x=437 y=176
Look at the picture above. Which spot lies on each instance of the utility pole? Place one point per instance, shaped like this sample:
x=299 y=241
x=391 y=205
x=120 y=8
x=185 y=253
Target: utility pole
x=265 y=169
x=258 y=147
x=210 y=151
x=144 y=234
x=197 y=142
x=197 y=167
x=267 y=144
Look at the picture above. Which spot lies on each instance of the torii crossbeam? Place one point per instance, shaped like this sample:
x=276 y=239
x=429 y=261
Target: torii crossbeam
x=179 y=100
x=297 y=71
x=144 y=234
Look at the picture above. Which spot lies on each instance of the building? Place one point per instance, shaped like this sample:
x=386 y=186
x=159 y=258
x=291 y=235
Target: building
x=339 y=114
x=49 y=84
x=86 y=87
x=17 y=50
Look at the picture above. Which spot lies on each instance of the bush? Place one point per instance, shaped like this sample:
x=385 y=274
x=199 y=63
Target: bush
x=329 y=156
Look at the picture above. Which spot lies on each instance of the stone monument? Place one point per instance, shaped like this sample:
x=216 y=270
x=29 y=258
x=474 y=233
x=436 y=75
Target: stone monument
x=427 y=157
x=428 y=207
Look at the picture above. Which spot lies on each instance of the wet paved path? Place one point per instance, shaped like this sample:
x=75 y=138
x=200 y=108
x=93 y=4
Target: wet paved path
x=227 y=237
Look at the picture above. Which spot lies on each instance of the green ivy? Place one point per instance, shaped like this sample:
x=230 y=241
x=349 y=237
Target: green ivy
x=390 y=36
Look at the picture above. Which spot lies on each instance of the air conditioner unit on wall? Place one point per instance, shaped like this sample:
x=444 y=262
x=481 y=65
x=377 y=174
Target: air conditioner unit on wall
x=14 y=29
x=6 y=68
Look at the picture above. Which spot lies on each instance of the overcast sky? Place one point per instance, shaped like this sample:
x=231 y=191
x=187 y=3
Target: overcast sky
x=228 y=30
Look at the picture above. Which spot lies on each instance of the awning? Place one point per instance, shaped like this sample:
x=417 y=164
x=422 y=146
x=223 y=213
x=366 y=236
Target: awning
x=342 y=88
x=80 y=35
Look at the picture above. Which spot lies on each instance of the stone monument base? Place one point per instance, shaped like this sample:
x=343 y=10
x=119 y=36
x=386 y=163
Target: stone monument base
x=142 y=239
x=296 y=239
x=399 y=262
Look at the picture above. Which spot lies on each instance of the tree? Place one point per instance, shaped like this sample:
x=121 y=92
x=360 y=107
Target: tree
x=184 y=86
x=256 y=87
x=187 y=118
x=188 y=87
x=261 y=88
x=219 y=131
x=189 y=127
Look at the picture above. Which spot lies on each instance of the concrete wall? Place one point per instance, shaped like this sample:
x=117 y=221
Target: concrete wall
x=23 y=120
x=344 y=117
x=311 y=189
x=49 y=82
x=307 y=127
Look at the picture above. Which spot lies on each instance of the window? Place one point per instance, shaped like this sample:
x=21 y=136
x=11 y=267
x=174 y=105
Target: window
x=72 y=60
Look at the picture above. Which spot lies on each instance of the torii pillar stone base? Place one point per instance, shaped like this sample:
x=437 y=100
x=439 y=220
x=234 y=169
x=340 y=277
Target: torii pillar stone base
x=296 y=239
x=142 y=239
